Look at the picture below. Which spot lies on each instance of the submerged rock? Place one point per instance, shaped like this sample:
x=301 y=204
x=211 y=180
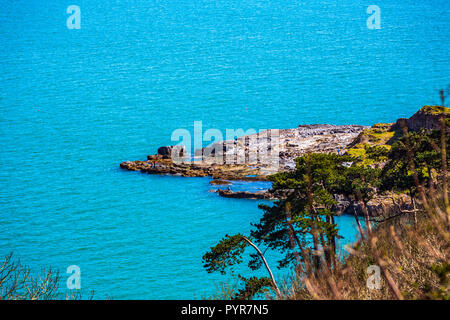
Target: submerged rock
x=219 y=182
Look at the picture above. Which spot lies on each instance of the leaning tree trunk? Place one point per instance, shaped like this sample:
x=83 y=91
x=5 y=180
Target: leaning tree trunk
x=360 y=229
x=266 y=264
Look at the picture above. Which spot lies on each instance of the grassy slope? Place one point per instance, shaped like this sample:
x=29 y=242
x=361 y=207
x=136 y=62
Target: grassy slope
x=380 y=135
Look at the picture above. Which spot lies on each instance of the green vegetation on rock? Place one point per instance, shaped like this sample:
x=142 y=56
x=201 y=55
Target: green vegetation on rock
x=435 y=110
x=372 y=144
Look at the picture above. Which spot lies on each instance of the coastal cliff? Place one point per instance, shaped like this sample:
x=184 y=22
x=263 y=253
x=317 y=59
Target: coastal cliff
x=428 y=117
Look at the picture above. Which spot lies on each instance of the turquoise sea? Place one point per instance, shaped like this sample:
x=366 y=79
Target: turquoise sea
x=76 y=103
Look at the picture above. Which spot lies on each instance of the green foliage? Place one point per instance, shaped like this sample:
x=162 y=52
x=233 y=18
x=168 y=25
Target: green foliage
x=307 y=212
x=442 y=270
x=372 y=145
x=422 y=148
x=226 y=253
x=361 y=182
x=377 y=153
x=252 y=287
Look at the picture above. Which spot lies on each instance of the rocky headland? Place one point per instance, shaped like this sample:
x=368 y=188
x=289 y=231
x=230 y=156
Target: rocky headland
x=231 y=160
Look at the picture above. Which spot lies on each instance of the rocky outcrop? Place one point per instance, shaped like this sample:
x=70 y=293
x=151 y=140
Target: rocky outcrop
x=287 y=143
x=427 y=117
x=379 y=205
x=235 y=160
x=265 y=194
x=172 y=152
x=232 y=159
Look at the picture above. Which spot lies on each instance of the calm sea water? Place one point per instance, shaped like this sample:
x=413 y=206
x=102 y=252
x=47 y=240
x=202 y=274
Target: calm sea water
x=75 y=103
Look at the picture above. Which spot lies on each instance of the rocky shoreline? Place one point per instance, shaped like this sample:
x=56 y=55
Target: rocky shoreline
x=290 y=144
x=221 y=160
